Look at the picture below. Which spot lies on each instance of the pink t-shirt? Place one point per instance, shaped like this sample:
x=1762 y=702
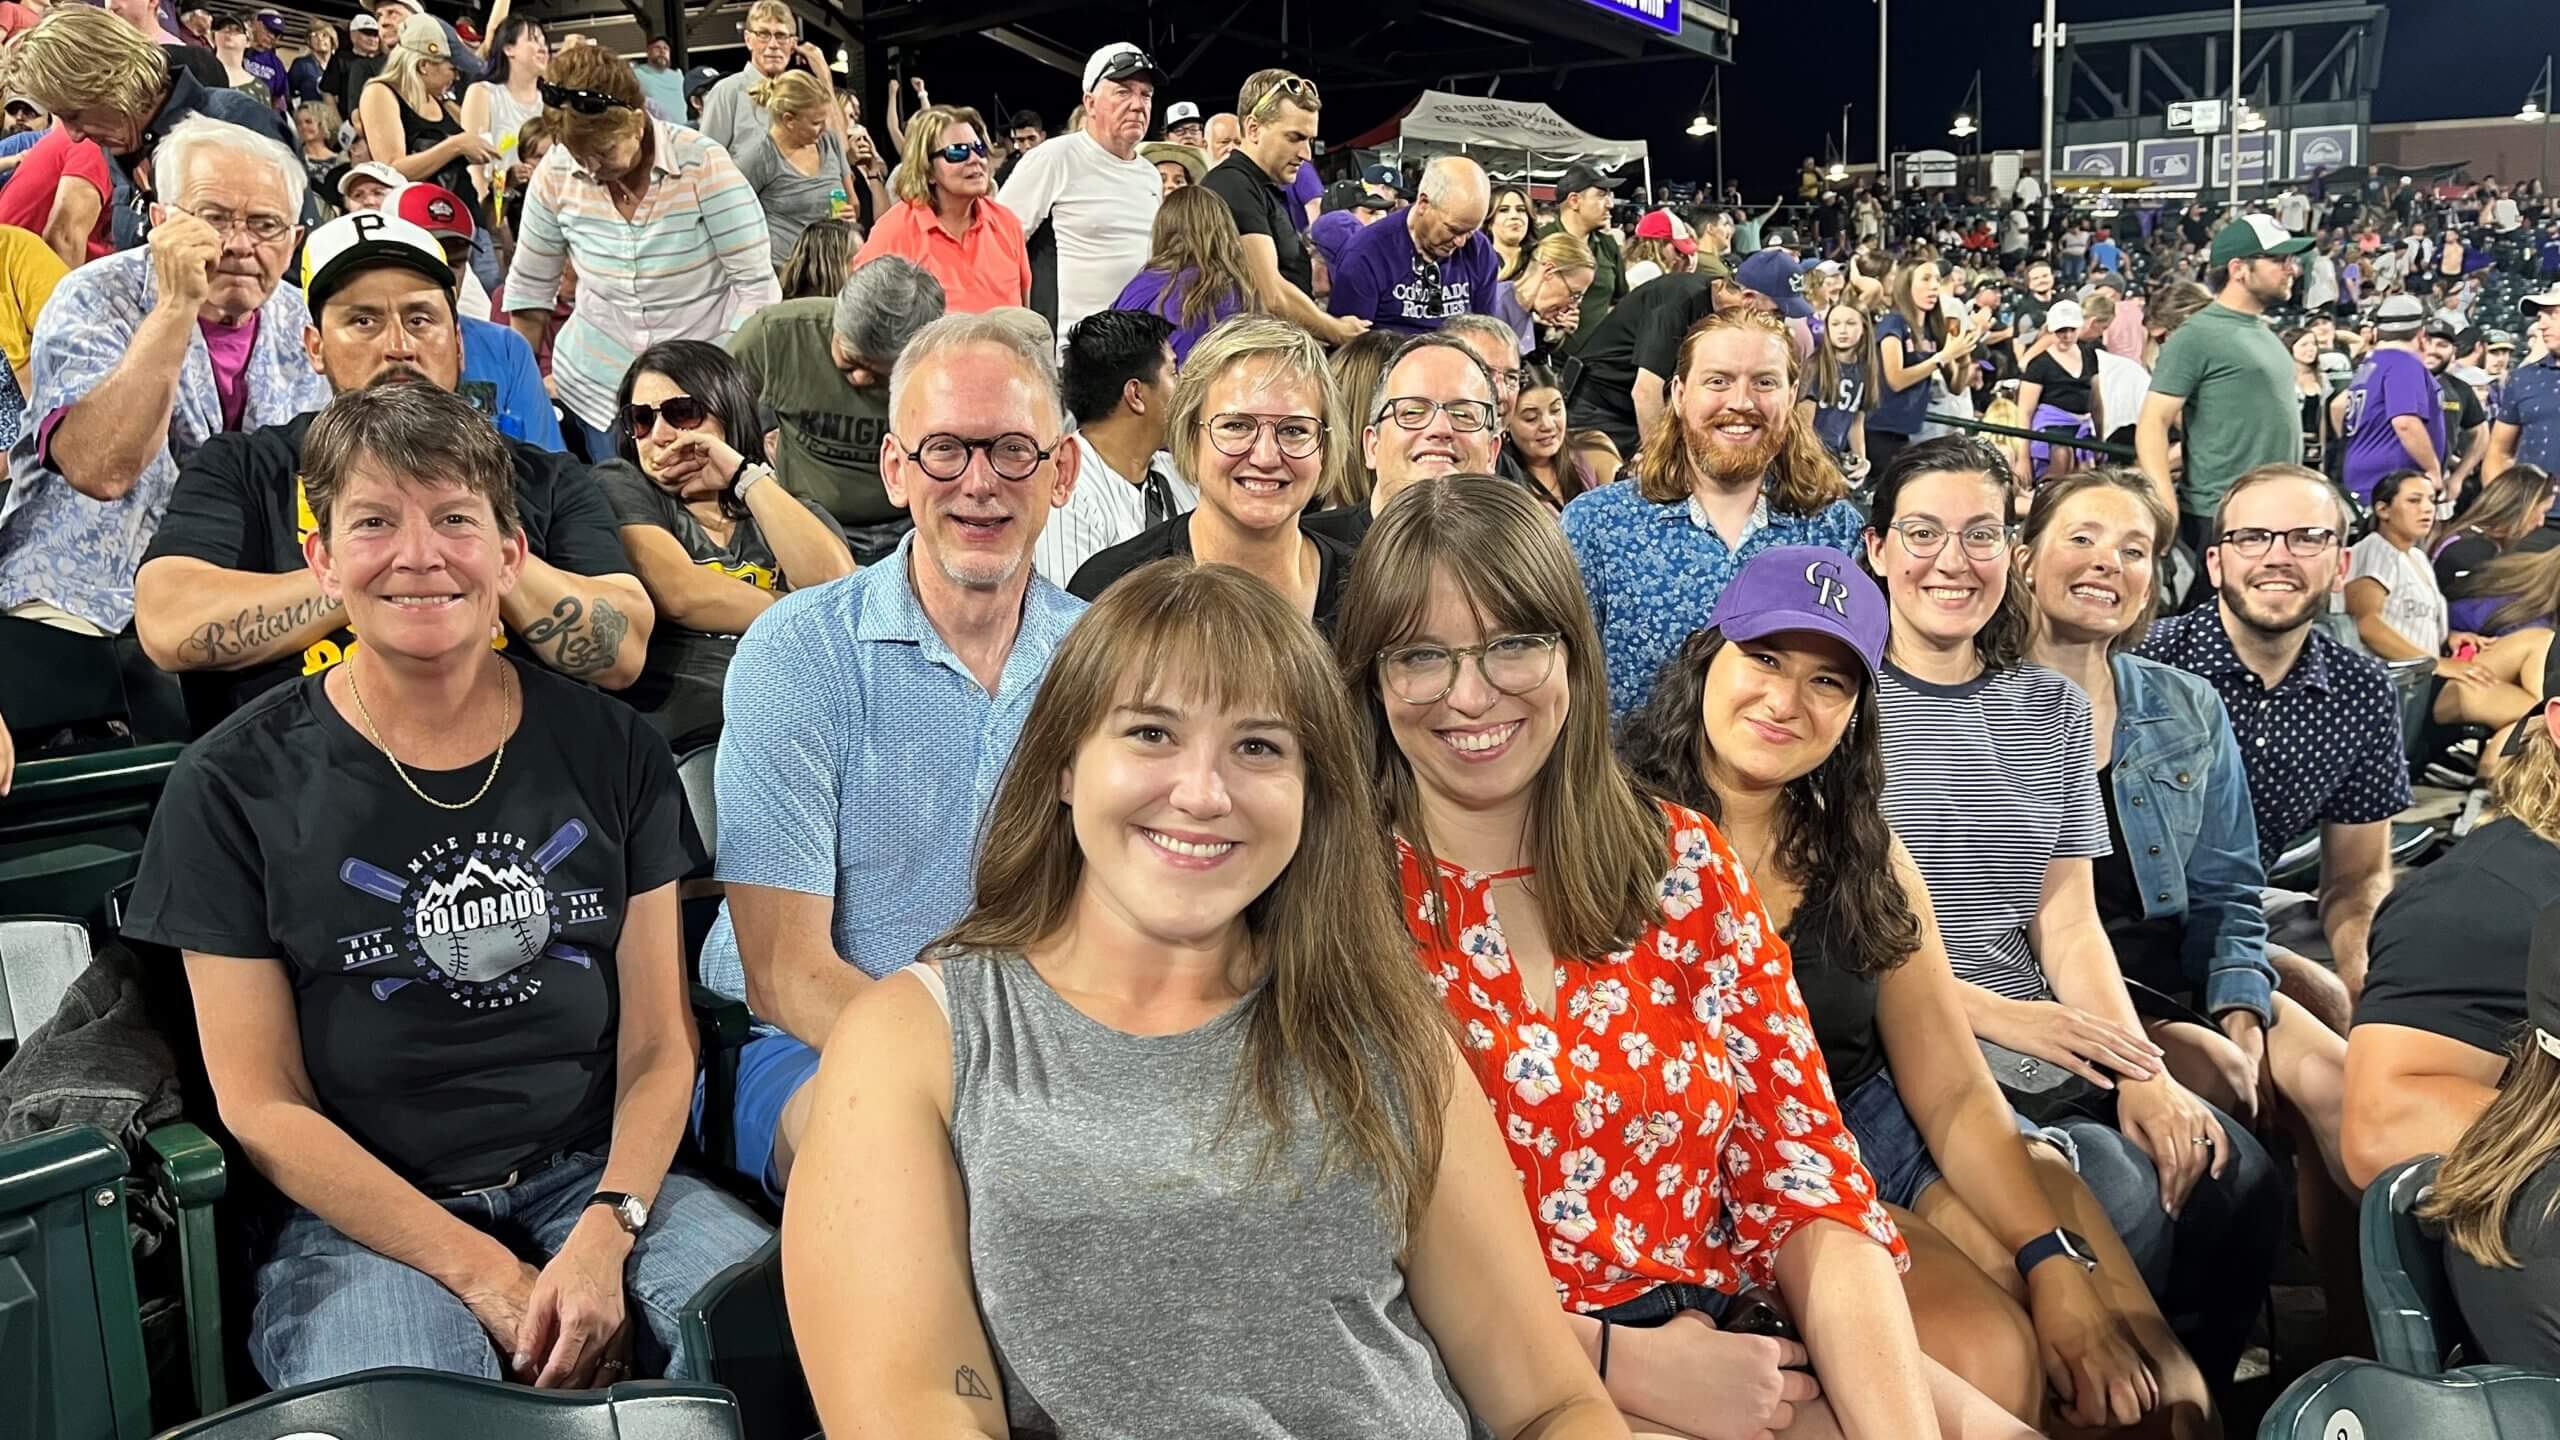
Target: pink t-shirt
x=229 y=347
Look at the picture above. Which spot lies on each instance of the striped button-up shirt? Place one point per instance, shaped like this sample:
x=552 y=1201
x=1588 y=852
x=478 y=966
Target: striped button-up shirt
x=690 y=262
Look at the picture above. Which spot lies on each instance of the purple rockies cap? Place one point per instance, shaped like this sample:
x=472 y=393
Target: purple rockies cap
x=1776 y=274
x=1806 y=587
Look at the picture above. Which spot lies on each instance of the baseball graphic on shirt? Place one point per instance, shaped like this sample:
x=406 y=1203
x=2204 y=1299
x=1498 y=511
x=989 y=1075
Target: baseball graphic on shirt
x=475 y=913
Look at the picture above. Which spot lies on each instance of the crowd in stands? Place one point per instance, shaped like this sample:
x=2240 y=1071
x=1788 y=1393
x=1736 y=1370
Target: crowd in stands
x=1393 y=805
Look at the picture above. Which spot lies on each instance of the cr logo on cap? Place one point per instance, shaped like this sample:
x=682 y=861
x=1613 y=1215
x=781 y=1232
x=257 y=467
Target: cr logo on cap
x=1828 y=592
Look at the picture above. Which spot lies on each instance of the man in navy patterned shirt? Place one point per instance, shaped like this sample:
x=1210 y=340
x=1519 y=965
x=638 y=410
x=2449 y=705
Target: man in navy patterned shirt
x=2318 y=724
x=1738 y=474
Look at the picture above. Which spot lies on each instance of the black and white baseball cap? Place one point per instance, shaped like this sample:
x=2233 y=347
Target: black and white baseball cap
x=353 y=244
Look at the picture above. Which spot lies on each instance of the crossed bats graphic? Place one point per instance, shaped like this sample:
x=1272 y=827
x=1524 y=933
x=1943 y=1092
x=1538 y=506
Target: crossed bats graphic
x=383 y=885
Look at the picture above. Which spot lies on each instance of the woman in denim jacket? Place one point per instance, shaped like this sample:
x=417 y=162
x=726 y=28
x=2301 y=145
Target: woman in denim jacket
x=2179 y=897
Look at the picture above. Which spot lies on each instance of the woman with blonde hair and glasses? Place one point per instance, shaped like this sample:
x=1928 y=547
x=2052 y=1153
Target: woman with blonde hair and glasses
x=797 y=161
x=1196 y=276
x=408 y=124
x=705 y=266
x=1169 y=1123
x=1251 y=431
x=1623 y=1002
x=1544 y=303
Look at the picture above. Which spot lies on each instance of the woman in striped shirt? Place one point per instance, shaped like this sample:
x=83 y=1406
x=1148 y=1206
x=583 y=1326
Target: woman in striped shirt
x=668 y=238
x=1991 y=783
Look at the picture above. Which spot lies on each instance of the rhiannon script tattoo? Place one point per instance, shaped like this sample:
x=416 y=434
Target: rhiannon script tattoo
x=252 y=629
x=581 y=637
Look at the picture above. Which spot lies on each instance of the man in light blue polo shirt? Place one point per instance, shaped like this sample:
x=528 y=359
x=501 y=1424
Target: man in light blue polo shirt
x=869 y=720
x=2526 y=428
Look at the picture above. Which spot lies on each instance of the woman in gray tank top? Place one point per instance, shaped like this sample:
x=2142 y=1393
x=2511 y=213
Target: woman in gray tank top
x=1167 y=1137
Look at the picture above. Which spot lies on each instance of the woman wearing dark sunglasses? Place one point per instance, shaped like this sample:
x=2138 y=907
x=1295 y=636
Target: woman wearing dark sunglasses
x=712 y=533
x=948 y=220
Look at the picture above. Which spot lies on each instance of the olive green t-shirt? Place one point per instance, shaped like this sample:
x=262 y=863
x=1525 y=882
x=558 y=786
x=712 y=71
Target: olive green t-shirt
x=2242 y=411
x=829 y=450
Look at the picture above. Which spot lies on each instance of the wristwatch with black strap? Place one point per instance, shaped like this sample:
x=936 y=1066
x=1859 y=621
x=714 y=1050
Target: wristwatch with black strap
x=632 y=1213
x=2056 y=1242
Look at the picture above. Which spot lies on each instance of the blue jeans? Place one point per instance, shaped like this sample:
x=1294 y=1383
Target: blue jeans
x=328 y=1306
x=2209 y=1265
x=771 y=1069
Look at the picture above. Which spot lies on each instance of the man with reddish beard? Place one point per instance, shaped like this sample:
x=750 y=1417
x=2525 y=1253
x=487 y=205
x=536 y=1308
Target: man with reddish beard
x=859 y=709
x=2318 y=724
x=1437 y=410
x=1731 y=473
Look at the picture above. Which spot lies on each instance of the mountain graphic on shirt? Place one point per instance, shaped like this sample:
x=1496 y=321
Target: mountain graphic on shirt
x=486 y=922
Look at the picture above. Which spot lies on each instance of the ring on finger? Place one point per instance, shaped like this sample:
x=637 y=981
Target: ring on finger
x=2205 y=1140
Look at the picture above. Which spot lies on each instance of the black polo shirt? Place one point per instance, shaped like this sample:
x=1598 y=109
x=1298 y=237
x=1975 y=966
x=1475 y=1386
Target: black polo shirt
x=238 y=505
x=1173 y=537
x=1262 y=207
x=2321 y=748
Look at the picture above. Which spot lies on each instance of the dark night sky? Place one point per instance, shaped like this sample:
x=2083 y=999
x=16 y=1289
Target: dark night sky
x=1798 y=61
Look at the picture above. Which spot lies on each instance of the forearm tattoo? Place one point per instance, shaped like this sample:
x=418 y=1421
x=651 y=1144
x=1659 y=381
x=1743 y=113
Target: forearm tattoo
x=580 y=638
x=965 y=1383
x=219 y=642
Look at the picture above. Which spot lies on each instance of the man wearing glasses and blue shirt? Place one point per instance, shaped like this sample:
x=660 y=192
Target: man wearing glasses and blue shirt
x=2318 y=724
x=869 y=720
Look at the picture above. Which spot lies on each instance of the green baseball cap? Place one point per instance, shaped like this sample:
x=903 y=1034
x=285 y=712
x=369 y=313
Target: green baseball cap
x=2251 y=236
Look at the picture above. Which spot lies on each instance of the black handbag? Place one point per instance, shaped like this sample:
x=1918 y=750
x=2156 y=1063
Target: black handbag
x=2043 y=1091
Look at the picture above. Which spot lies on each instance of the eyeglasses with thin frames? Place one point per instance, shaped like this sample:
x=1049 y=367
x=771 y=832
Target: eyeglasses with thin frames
x=1235 y=433
x=2302 y=542
x=1412 y=412
x=1924 y=539
x=1424 y=674
x=264 y=229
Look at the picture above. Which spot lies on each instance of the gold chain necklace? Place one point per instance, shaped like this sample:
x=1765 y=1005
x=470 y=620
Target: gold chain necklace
x=396 y=768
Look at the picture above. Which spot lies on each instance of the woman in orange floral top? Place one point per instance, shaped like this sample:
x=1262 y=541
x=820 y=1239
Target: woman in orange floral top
x=1664 y=1101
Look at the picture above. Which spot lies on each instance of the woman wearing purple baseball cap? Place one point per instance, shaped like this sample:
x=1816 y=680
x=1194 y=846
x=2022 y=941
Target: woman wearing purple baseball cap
x=1623 y=999
x=1766 y=721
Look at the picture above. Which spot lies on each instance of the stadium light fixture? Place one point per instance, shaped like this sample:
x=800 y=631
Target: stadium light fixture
x=2537 y=101
x=1710 y=107
x=1966 y=126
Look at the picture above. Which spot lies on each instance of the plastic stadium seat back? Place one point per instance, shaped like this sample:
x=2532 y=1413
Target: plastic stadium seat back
x=404 y=1404
x=71 y=1355
x=2417 y=1326
x=2361 y=1400
x=71 y=828
x=40 y=955
x=741 y=1330
x=697 y=769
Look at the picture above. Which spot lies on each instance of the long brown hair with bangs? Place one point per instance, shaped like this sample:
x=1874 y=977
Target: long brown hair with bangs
x=1801 y=481
x=1596 y=845
x=1339 y=1018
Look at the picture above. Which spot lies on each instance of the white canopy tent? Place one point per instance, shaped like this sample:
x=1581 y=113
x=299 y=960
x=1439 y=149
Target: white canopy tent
x=1490 y=130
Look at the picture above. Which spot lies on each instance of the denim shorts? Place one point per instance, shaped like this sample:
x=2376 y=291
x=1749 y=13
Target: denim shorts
x=1892 y=1146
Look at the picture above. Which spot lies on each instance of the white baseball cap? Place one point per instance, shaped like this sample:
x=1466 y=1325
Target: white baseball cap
x=2065 y=316
x=370 y=170
x=2547 y=300
x=1118 y=61
x=352 y=244
x=1180 y=112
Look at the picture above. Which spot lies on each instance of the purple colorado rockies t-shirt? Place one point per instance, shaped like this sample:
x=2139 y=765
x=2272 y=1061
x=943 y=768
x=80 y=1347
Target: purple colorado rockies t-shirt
x=2389 y=383
x=1379 y=282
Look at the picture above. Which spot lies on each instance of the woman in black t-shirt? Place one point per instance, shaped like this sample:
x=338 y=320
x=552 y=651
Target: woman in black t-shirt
x=428 y=904
x=715 y=538
x=1772 y=731
x=2058 y=390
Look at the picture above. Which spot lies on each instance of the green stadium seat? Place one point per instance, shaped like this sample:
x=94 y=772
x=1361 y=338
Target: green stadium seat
x=739 y=1331
x=71 y=829
x=2417 y=1327
x=71 y=1355
x=406 y=1404
x=2360 y=1400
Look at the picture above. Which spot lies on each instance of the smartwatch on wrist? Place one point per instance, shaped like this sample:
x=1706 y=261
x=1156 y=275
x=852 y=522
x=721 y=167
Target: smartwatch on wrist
x=2056 y=1242
x=751 y=473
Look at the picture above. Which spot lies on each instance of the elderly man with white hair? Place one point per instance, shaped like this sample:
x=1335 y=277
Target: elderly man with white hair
x=1087 y=200
x=142 y=356
x=1409 y=273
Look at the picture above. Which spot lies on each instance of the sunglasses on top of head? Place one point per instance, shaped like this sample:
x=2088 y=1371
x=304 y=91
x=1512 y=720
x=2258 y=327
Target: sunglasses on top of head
x=584 y=102
x=682 y=411
x=958 y=154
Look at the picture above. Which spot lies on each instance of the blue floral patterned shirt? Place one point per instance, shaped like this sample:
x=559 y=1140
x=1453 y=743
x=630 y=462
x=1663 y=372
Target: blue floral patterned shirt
x=58 y=546
x=1654 y=571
